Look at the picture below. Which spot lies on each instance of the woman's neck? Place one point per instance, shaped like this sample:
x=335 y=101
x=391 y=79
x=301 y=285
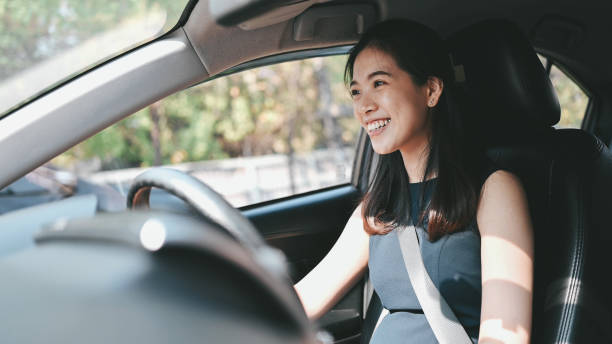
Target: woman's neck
x=415 y=162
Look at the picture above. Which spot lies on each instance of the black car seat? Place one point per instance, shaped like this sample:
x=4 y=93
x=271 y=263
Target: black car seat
x=567 y=174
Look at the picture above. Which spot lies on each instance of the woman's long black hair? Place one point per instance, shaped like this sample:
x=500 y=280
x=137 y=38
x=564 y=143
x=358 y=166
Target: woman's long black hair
x=421 y=52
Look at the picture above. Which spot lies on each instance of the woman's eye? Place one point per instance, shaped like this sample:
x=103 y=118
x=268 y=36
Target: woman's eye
x=378 y=83
x=354 y=92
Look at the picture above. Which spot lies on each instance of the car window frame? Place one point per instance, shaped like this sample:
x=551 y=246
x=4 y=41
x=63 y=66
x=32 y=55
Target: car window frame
x=362 y=163
x=362 y=153
x=587 y=119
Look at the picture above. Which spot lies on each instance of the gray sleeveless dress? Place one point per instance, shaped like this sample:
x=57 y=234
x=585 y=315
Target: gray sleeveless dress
x=453 y=263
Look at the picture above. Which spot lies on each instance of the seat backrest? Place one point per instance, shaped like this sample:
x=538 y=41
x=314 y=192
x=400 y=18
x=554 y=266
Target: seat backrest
x=567 y=175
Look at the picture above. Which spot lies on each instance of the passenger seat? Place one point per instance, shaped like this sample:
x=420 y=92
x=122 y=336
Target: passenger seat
x=567 y=175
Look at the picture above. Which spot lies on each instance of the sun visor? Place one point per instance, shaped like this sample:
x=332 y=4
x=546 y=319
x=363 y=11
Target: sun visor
x=254 y=14
x=322 y=25
x=347 y=21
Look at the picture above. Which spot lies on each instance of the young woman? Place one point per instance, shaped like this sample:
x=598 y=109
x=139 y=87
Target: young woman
x=472 y=220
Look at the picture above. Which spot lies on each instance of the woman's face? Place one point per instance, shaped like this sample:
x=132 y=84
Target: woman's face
x=389 y=105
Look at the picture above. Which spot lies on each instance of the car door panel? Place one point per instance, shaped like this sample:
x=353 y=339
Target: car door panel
x=305 y=227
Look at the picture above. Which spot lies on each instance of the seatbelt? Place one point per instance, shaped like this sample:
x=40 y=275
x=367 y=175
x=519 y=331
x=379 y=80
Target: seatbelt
x=382 y=315
x=440 y=317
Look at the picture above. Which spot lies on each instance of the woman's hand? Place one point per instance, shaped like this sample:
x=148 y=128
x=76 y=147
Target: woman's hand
x=507 y=260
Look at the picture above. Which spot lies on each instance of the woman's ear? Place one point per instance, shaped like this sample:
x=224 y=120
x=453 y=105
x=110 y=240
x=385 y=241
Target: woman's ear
x=435 y=86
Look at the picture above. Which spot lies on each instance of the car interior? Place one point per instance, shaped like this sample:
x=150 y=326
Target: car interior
x=205 y=273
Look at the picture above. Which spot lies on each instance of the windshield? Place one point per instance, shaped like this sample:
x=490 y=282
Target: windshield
x=48 y=41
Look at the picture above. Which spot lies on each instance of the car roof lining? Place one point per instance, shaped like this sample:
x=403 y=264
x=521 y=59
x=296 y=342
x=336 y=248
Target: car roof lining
x=222 y=47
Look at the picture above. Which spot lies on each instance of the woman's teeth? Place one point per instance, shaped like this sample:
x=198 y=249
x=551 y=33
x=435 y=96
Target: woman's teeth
x=378 y=124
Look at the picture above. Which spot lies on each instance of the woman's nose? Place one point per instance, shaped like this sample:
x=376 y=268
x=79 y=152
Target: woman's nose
x=366 y=104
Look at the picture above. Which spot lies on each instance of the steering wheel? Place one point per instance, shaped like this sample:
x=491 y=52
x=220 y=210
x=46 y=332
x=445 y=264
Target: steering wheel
x=211 y=205
x=240 y=277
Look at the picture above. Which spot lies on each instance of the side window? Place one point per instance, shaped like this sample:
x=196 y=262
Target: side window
x=572 y=99
x=253 y=136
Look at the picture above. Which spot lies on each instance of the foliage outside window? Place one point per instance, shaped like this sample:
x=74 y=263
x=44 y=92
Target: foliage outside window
x=45 y=42
x=572 y=99
x=253 y=136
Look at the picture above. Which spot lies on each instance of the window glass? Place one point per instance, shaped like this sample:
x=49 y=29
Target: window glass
x=572 y=99
x=253 y=136
x=43 y=43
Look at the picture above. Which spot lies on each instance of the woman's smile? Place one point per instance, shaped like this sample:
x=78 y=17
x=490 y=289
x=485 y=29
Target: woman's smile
x=376 y=127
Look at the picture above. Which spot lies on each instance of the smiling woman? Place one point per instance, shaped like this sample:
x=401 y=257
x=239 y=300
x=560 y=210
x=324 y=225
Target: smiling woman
x=401 y=82
x=413 y=90
x=45 y=43
x=200 y=285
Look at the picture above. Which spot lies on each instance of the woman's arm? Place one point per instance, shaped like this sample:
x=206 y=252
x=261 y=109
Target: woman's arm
x=507 y=260
x=338 y=271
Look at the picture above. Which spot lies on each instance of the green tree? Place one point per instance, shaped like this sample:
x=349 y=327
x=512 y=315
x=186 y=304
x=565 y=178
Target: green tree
x=288 y=108
x=32 y=31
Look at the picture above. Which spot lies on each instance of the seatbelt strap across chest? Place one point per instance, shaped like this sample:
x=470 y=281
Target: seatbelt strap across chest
x=440 y=316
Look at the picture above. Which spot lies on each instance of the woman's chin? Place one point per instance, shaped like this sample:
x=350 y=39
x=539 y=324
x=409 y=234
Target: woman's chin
x=383 y=150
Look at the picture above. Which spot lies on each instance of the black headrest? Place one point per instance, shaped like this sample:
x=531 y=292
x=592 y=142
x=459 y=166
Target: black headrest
x=504 y=77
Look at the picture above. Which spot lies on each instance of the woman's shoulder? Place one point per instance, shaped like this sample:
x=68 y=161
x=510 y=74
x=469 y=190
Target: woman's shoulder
x=487 y=168
x=501 y=184
x=502 y=192
x=496 y=177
